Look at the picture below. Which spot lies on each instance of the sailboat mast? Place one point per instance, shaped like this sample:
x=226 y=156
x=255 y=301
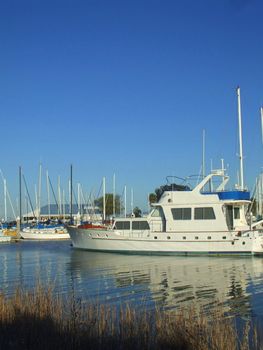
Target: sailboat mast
x=48 y=196
x=113 y=197
x=125 y=198
x=261 y=113
x=5 y=193
x=240 y=140
x=20 y=196
x=71 y=194
x=39 y=190
x=104 y=199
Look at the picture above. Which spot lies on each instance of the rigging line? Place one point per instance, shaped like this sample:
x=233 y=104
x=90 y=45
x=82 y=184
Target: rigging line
x=30 y=202
x=74 y=196
x=8 y=195
x=99 y=189
x=85 y=203
x=52 y=189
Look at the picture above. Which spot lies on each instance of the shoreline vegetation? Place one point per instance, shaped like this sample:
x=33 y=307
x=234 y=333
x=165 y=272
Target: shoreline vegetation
x=40 y=319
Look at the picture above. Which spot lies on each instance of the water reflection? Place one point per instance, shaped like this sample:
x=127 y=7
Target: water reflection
x=170 y=282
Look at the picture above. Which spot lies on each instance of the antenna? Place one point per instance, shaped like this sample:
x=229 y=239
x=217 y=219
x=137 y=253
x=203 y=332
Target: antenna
x=240 y=140
x=203 y=156
x=132 y=200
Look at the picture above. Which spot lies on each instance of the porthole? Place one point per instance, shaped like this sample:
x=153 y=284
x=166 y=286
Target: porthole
x=196 y=237
x=232 y=242
x=243 y=243
x=184 y=237
x=209 y=237
x=155 y=237
x=224 y=237
x=168 y=237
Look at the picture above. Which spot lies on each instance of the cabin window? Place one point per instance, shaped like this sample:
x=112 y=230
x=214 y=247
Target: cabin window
x=209 y=237
x=237 y=213
x=157 y=212
x=184 y=237
x=224 y=237
x=140 y=225
x=181 y=213
x=204 y=214
x=122 y=225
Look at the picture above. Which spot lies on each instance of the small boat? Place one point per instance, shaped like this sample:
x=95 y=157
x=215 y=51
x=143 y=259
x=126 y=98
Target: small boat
x=4 y=238
x=183 y=221
x=44 y=233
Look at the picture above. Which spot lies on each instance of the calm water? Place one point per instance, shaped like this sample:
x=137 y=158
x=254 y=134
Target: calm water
x=170 y=282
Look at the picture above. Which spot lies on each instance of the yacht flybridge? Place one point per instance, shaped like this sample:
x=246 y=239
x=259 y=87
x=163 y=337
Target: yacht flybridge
x=183 y=221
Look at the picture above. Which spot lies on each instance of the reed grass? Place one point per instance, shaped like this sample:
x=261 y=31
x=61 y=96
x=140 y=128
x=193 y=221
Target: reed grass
x=41 y=319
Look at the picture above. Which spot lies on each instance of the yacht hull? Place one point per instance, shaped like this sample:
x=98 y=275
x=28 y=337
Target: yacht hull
x=164 y=243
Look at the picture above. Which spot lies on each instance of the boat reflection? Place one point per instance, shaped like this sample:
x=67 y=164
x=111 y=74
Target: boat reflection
x=236 y=284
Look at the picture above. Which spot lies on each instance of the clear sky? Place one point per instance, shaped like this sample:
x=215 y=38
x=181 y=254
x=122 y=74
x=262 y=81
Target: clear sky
x=126 y=87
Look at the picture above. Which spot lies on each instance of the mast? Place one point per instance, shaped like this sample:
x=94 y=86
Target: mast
x=5 y=193
x=132 y=200
x=63 y=201
x=261 y=112
x=48 y=196
x=223 y=172
x=104 y=199
x=59 y=197
x=79 y=198
x=39 y=190
x=203 y=156
x=240 y=140
x=71 y=194
x=36 y=199
x=125 y=208
x=8 y=195
x=113 y=197
x=20 y=197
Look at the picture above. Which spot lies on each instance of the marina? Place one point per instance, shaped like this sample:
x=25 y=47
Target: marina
x=131 y=175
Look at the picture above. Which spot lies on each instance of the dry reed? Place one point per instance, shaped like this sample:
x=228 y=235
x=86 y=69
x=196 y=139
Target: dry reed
x=40 y=319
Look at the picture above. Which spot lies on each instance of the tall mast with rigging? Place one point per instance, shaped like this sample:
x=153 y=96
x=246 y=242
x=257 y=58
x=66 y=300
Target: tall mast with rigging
x=240 y=140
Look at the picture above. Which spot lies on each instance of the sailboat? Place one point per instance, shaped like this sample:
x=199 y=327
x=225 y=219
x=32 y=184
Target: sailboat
x=42 y=230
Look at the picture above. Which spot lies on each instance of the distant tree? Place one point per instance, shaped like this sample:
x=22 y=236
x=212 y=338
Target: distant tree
x=137 y=212
x=254 y=207
x=109 y=204
x=152 y=198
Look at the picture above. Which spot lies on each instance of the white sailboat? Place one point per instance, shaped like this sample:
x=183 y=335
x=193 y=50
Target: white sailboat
x=48 y=233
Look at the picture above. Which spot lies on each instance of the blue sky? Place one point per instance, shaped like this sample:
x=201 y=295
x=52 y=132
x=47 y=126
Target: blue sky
x=127 y=87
